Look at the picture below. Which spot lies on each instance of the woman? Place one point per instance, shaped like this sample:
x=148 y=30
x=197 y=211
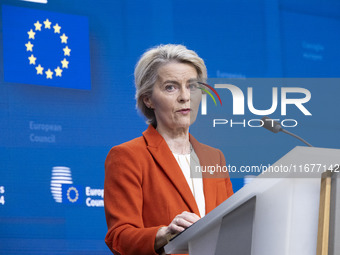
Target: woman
x=148 y=192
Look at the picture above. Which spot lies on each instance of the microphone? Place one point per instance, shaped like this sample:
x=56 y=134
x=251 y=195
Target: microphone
x=275 y=127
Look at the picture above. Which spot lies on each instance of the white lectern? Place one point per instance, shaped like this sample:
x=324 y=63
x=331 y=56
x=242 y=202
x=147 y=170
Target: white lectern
x=277 y=213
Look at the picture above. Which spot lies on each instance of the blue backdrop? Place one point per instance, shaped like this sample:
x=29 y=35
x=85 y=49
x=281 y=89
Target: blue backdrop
x=58 y=123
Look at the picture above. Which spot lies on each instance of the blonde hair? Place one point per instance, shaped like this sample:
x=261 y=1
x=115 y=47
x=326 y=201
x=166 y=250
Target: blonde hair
x=146 y=72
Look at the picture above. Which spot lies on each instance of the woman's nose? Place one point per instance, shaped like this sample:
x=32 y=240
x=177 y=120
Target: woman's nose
x=184 y=94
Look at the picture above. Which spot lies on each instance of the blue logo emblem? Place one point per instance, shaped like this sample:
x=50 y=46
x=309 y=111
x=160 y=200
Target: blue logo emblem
x=72 y=194
x=45 y=48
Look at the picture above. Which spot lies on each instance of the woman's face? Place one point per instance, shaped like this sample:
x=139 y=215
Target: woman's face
x=176 y=97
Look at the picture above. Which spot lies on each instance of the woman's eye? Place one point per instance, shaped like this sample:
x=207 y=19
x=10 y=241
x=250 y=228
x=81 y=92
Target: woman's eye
x=193 y=86
x=170 y=88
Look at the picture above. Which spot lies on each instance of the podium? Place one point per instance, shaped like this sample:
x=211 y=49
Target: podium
x=277 y=213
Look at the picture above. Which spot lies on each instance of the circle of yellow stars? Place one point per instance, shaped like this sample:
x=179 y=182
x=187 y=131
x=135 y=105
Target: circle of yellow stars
x=72 y=200
x=33 y=60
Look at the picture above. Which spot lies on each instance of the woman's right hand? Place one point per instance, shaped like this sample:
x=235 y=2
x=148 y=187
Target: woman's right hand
x=181 y=222
x=177 y=225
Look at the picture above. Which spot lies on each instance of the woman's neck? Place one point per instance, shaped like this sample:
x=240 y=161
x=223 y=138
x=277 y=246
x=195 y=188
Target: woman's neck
x=177 y=139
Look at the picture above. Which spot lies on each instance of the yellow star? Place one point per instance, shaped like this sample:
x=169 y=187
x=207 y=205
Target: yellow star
x=58 y=71
x=32 y=59
x=37 y=26
x=66 y=51
x=47 y=24
x=31 y=34
x=29 y=46
x=57 y=28
x=49 y=74
x=63 y=38
x=39 y=69
x=64 y=63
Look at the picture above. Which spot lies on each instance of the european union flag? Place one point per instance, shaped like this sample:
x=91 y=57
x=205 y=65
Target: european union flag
x=72 y=194
x=45 y=48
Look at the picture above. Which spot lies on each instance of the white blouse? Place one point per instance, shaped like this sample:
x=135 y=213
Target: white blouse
x=185 y=161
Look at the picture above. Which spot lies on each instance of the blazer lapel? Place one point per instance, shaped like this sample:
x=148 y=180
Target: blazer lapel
x=164 y=157
x=209 y=184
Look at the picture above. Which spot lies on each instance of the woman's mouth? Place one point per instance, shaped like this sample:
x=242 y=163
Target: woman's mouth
x=184 y=111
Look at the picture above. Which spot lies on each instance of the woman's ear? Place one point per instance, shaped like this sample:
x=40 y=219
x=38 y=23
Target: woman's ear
x=148 y=103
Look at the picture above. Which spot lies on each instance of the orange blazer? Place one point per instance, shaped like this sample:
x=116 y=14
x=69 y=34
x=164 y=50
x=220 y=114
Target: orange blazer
x=145 y=189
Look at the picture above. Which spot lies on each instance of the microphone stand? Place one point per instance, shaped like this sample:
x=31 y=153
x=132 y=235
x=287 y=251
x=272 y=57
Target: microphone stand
x=276 y=127
x=294 y=135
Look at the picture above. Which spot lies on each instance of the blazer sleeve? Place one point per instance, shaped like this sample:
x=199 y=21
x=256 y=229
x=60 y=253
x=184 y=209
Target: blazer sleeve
x=123 y=202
